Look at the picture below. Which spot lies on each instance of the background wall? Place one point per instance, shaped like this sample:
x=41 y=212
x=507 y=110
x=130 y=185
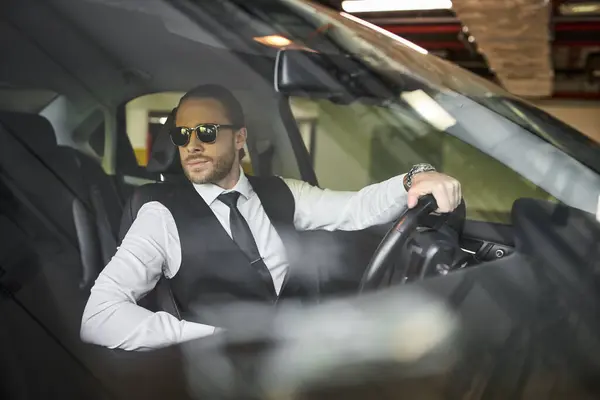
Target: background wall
x=582 y=115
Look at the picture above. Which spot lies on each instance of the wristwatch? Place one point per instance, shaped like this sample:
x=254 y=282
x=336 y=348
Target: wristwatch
x=416 y=169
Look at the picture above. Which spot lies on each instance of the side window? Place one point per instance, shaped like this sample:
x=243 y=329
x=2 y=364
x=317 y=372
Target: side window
x=143 y=118
x=355 y=145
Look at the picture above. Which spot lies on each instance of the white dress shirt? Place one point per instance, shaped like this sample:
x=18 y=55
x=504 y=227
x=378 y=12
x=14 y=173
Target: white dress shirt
x=151 y=247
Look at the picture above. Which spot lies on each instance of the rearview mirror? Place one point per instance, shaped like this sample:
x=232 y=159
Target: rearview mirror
x=300 y=72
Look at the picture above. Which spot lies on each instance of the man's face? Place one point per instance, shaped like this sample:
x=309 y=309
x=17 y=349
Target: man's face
x=208 y=162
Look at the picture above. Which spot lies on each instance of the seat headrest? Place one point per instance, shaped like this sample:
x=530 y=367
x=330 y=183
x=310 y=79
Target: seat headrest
x=34 y=130
x=164 y=157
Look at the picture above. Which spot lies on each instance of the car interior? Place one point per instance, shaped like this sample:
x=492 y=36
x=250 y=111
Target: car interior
x=68 y=170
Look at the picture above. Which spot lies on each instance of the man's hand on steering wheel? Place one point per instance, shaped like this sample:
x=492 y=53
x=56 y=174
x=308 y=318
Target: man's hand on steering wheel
x=428 y=191
x=445 y=189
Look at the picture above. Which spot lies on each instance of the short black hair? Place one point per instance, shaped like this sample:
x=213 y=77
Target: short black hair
x=232 y=106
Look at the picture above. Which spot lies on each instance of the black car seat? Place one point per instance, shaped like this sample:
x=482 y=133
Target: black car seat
x=41 y=302
x=39 y=308
x=57 y=224
x=164 y=161
x=63 y=189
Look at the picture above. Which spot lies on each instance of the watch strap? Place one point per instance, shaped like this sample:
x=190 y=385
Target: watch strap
x=416 y=169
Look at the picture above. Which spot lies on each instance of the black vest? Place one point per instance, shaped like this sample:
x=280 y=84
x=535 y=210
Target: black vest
x=214 y=271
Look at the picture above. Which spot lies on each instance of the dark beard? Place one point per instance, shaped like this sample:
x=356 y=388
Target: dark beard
x=221 y=168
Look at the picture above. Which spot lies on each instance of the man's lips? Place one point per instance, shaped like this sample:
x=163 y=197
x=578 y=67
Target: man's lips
x=197 y=162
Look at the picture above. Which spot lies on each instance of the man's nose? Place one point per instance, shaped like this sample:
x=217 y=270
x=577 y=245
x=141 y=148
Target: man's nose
x=194 y=144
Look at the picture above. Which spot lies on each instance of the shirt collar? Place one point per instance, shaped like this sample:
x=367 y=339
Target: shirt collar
x=209 y=191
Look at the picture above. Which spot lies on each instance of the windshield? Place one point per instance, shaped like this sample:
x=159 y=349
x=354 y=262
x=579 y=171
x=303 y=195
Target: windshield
x=427 y=93
x=395 y=58
x=109 y=251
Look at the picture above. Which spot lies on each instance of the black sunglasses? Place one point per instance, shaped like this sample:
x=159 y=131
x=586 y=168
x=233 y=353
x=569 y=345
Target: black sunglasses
x=206 y=133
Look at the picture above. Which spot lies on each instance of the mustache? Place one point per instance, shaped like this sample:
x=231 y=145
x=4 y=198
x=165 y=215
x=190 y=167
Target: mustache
x=196 y=158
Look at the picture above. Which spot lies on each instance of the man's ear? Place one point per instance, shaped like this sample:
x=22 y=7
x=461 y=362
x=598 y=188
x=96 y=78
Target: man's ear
x=240 y=138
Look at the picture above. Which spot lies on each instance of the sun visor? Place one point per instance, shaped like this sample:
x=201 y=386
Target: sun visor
x=163 y=157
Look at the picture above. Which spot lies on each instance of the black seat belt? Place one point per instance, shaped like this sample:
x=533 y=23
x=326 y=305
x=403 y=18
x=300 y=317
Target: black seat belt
x=108 y=240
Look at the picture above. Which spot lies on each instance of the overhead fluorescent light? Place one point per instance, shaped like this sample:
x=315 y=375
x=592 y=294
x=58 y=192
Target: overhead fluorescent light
x=362 y=6
x=157 y=120
x=429 y=109
x=276 y=41
x=384 y=32
x=580 y=8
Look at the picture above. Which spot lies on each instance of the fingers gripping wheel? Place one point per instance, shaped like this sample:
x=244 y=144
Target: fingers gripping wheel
x=396 y=238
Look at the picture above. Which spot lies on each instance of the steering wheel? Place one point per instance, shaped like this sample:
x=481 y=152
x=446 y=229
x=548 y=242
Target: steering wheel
x=398 y=236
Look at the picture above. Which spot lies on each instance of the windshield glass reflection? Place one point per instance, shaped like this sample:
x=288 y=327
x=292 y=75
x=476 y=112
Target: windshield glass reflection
x=397 y=58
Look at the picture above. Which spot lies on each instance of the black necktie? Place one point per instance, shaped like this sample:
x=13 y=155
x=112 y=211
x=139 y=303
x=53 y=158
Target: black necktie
x=242 y=236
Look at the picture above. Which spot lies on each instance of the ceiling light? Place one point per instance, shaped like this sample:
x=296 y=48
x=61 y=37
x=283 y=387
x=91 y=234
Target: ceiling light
x=276 y=41
x=359 y=6
x=580 y=8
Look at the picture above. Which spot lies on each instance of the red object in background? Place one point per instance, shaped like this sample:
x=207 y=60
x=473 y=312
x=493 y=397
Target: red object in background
x=404 y=29
x=577 y=95
x=456 y=28
x=439 y=45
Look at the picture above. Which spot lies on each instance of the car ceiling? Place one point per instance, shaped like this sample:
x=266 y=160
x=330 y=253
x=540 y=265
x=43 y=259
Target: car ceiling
x=108 y=52
x=68 y=47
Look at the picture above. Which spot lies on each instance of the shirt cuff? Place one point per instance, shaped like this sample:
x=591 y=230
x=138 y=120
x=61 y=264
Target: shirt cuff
x=192 y=330
x=396 y=192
